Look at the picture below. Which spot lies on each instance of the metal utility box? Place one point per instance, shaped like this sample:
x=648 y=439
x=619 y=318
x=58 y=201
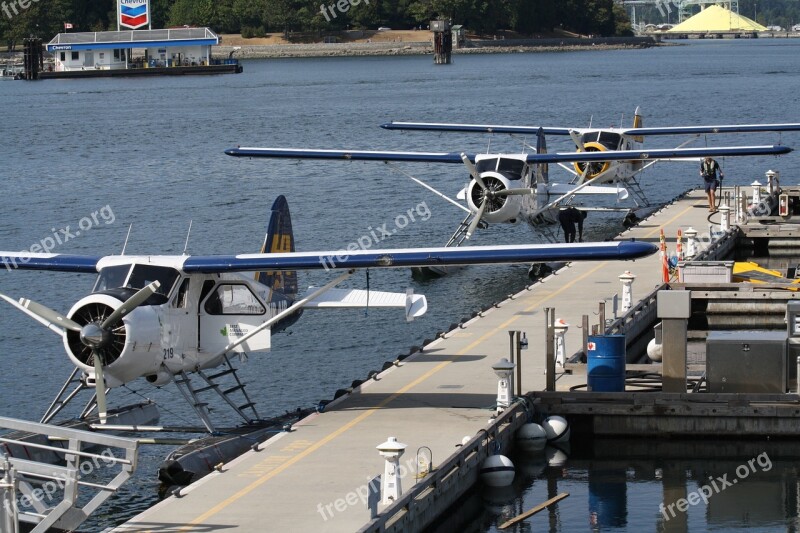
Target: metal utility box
x=793 y=331
x=705 y=271
x=746 y=361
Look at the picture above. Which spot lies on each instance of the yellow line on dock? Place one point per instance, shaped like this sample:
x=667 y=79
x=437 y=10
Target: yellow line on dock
x=360 y=418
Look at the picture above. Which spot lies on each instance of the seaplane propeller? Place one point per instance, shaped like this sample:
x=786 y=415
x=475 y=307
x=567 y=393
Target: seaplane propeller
x=97 y=337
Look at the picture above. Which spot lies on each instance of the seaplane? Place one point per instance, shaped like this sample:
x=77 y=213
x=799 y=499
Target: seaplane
x=163 y=318
x=512 y=188
x=590 y=139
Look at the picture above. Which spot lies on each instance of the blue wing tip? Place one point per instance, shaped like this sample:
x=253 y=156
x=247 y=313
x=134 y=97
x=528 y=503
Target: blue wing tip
x=387 y=125
x=232 y=151
x=634 y=249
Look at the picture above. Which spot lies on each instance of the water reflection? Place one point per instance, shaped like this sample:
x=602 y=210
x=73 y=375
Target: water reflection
x=645 y=485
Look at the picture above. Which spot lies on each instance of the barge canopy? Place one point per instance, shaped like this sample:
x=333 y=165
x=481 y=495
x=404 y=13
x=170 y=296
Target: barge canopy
x=111 y=50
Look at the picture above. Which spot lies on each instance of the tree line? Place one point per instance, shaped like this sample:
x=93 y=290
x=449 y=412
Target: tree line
x=45 y=18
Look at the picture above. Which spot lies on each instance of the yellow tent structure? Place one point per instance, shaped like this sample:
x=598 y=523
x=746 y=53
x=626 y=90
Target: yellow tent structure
x=717 y=19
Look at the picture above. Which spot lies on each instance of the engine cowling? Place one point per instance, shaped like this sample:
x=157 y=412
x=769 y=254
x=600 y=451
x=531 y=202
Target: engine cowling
x=500 y=208
x=596 y=168
x=134 y=349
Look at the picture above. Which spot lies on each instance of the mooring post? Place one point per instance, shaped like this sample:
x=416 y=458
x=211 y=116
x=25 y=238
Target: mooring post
x=674 y=309
x=442 y=41
x=550 y=370
x=602 y=318
x=585 y=334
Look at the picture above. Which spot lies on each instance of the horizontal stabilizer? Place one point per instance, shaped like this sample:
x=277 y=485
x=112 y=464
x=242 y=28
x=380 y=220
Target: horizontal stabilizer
x=416 y=305
x=566 y=188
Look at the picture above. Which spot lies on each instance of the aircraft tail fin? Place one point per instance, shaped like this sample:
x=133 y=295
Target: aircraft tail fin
x=637 y=123
x=279 y=239
x=542 y=169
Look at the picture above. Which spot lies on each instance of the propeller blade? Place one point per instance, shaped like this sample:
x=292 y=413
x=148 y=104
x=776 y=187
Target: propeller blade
x=514 y=192
x=99 y=386
x=476 y=219
x=576 y=138
x=130 y=304
x=473 y=171
x=48 y=314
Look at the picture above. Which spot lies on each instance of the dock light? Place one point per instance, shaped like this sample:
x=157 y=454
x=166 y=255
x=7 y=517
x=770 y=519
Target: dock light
x=504 y=370
x=560 y=328
x=391 y=450
x=691 y=245
x=756 y=193
x=627 y=279
x=773 y=181
x=523 y=342
x=725 y=216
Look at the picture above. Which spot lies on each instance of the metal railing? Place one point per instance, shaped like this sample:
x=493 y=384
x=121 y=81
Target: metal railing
x=111 y=37
x=54 y=490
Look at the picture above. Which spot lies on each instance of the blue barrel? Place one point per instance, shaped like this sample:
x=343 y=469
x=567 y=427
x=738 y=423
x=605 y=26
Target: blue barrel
x=606 y=363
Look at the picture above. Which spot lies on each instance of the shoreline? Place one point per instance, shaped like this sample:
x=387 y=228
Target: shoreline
x=277 y=51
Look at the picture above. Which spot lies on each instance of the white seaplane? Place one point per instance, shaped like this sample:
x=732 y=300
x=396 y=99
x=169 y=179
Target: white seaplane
x=590 y=139
x=511 y=188
x=163 y=317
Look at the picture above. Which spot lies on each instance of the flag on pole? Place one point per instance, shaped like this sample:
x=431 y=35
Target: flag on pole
x=67 y=25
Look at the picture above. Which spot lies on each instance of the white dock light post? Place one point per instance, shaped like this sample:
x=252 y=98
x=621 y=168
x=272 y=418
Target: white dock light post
x=691 y=244
x=391 y=450
x=504 y=370
x=773 y=181
x=725 y=218
x=560 y=328
x=627 y=279
x=756 y=193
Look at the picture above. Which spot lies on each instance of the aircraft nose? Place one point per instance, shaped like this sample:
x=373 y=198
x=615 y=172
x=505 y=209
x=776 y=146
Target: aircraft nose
x=93 y=336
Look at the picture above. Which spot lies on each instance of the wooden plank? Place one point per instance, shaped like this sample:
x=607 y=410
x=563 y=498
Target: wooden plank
x=538 y=508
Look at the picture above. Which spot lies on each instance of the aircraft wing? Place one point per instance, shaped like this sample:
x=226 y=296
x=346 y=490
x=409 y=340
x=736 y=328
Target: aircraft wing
x=473 y=128
x=531 y=130
x=418 y=257
x=556 y=157
x=694 y=130
x=53 y=262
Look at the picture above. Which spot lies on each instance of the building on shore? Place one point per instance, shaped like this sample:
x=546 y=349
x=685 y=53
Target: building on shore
x=136 y=52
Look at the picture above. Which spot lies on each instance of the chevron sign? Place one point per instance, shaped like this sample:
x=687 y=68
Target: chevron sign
x=133 y=14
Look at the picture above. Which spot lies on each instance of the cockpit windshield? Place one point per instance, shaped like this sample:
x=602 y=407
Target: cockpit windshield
x=510 y=168
x=138 y=277
x=608 y=139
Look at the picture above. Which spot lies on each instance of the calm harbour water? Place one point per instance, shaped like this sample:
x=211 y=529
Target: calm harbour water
x=151 y=152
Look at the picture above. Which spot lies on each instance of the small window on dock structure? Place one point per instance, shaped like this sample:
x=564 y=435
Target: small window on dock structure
x=63 y=56
x=76 y=56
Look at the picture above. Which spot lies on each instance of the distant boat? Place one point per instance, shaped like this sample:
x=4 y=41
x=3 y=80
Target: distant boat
x=11 y=71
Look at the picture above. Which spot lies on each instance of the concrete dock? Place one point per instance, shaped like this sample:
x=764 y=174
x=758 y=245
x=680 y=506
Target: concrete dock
x=316 y=477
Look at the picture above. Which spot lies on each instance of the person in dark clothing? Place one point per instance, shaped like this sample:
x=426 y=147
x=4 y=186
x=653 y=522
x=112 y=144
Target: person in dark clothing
x=708 y=170
x=569 y=218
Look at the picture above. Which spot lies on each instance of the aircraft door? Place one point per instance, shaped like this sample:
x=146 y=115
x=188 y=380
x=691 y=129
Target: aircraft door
x=179 y=325
x=230 y=311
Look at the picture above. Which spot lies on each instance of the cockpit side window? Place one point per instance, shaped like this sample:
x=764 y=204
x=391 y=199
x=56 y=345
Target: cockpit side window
x=181 y=299
x=233 y=299
x=511 y=168
x=111 y=277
